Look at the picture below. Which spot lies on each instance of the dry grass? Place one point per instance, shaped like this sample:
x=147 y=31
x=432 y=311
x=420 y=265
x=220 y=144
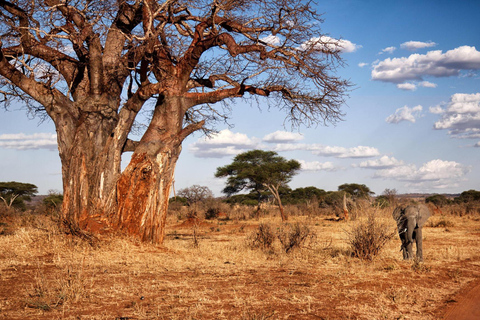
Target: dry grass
x=208 y=271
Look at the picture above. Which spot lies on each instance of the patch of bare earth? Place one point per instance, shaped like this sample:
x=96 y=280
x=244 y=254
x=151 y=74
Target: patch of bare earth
x=206 y=271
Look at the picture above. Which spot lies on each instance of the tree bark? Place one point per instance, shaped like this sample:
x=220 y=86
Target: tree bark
x=274 y=191
x=90 y=155
x=143 y=192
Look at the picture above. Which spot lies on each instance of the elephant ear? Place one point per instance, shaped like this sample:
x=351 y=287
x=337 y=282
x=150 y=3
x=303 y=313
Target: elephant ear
x=398 y=213
x=423 y=214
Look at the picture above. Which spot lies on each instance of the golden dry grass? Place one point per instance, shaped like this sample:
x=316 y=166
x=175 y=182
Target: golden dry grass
x=48 y=275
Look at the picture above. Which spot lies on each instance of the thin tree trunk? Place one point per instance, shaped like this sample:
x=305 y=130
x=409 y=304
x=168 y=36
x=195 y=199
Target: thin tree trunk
x=274 y=191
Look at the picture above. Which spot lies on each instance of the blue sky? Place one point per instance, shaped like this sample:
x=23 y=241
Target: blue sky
x=412 y=121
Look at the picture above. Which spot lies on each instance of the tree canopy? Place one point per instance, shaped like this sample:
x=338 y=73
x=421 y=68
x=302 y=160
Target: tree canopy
x=14 y=194
x=258 y=171
x=195 y=194
x=356 y=190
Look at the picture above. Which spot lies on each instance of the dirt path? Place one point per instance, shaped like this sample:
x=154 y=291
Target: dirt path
x=467 y=305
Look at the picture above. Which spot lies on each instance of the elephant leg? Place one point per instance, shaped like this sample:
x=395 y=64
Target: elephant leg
x=418 y=240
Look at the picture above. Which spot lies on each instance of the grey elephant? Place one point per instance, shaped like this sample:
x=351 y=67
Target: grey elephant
x=410 y=220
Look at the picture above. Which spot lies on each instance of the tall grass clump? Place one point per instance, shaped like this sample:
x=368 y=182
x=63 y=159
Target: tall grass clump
x=368 y=236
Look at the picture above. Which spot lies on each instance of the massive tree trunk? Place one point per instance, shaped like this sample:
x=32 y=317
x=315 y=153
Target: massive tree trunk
x=90 y=154
x=98 y=197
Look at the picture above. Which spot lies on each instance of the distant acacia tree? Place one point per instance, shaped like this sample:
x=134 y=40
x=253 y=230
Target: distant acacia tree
x=94 y=67
x=258 y=171
x=305 y=195
x=14 y=194
x=356 y=190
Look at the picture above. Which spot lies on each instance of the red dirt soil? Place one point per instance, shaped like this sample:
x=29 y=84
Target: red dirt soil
x=467 y=304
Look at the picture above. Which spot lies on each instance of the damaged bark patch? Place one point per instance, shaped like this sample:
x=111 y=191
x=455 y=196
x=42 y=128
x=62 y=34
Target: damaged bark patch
x=133 y=189
x=137 y=199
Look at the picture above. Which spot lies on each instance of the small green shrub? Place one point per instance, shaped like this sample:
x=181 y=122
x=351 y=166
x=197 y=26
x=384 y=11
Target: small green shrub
x=368 y=237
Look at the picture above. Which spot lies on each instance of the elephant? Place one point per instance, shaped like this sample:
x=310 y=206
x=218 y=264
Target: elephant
x=410 y=221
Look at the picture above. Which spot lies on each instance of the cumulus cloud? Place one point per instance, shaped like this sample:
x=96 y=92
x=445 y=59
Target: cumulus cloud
x=427 y=84
x=461 y=116
x=381 y=163
x=413 y=86
x=317 y=166
x=341 y=152
x=415 y=45
x=438 y=173
x=407 y=86
x=436 y=109
x=360 y=152
x=388 y=50
x=224 y=143
x=21 y=141
x=326 y=43
x=433 y=63
x=282 y=137
x=271 y=39
x=405 y=114
x=227 y=143
x=362 y=64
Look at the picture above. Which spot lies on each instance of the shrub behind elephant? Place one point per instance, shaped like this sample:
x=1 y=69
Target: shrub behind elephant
x=410 y=221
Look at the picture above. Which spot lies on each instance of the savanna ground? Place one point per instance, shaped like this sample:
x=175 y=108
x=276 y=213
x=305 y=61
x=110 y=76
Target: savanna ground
x=207 y=269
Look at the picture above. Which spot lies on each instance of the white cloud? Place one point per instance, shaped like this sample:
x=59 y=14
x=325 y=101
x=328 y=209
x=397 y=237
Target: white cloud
x=224 y=143
x=341 y=152
x=227 y=143
x=427 y=84
x=21 y=141
x=317 y=166
x=407 y=86
x=381 y=163
x=436 y=109
x=438 y=173
x=415 y=45
x=433 y=63
x=413 y=86
x=405 y=114
x=388 y=50
x=282 y=137
x=326 y=43
x=271 y=39
x=362 y=64
x=360 y=152
x=461 y=116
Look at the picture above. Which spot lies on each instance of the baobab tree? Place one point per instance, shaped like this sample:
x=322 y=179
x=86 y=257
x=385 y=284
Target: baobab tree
x=94 y=67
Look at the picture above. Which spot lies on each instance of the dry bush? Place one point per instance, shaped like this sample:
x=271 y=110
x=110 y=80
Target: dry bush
x=367 y=237
x=442 y=222
x=262 y=238
x=294 y=236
